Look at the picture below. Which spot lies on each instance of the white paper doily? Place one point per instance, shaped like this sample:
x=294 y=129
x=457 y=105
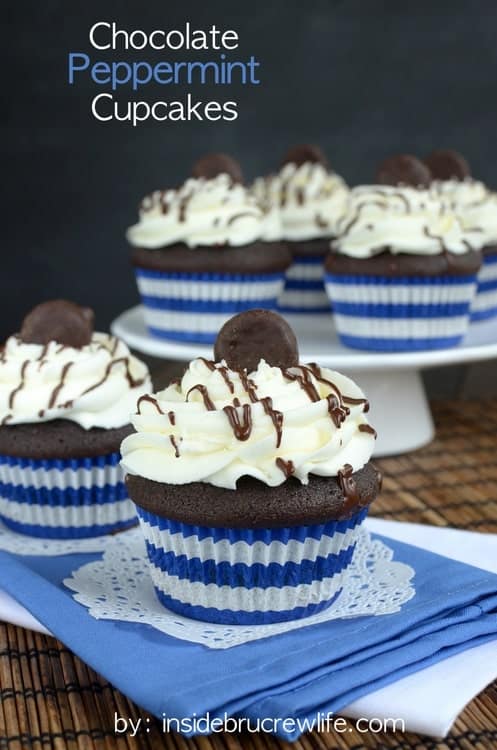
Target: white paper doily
x=119 y=587
x=22 y=544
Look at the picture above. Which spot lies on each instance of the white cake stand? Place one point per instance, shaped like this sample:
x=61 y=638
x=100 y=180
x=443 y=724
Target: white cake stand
x=399 y=407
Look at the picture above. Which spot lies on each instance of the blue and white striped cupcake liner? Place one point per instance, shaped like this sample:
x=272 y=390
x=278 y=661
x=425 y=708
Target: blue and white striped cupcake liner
x=304 y=290
x=484 y=304
x=400 y=314
x=248 y=576
x=194 y=306
x=64 y=498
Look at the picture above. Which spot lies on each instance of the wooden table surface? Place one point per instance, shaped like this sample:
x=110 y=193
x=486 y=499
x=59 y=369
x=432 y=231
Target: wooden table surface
x=50 y=699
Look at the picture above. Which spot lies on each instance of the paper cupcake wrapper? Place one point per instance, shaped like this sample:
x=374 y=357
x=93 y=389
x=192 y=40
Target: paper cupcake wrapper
x=193 y=307
x=64 y=498
x=248 y=576
x=484 y=304
x=400 y=314
x=304 y=290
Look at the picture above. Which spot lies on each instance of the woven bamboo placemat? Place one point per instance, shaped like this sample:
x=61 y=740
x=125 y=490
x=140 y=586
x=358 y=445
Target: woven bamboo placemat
x=50 y=699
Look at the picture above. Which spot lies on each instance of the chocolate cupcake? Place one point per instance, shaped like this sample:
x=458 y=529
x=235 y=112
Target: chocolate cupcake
x=476 y=206
x=251 y=477
x=66 y=395
x=205 y=251
x=310 y=199
x=402 y=274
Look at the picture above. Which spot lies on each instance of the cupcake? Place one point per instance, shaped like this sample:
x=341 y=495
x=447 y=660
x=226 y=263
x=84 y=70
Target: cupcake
x=310 y=200
x=66 y=395
x=476 y=206
x=205 y=251
x=402 y=272
x=251 y=477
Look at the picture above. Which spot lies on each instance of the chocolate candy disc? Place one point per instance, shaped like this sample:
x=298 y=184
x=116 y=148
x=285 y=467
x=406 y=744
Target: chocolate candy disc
x=305 y=154
x=254 y=335
x=403 y=169
x=210 y=165
x=58 y=320
x=446 y=164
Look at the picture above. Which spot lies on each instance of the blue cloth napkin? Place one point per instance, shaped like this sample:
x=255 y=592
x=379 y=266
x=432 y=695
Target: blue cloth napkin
x=319 y=668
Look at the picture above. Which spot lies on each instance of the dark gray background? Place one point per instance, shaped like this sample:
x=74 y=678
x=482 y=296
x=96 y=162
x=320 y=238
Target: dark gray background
x=362 y=79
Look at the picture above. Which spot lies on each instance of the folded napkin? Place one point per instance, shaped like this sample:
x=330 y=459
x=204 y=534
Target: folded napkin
x=320 y=668
x=421 y=699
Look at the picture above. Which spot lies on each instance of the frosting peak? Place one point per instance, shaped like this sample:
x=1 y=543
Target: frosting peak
x=202 y=211
x=474 y=203
x=96 y=385
x=309 y=198
x=402 y=220
x=217 y=425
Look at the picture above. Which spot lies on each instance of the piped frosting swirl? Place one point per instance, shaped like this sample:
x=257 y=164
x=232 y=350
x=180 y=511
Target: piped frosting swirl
x=402 y=220
x=475 y=205
x=216 y=425
x=202 y=212
x=96 y=385
x=308 y=197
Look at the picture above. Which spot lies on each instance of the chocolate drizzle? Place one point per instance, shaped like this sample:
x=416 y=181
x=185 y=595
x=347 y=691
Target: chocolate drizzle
x=348 y=486
x=53 y=398
x=18 y=388
x=404 y=200
x=131 y=381
x=241 y=427
x=164 y=205
x=182 y=208
x=249 y=385
x=286 y=467
x=304 y=380
x=242 y=215
x=208 y=403
x=336 y=402
x=336 y=410
x=114 y=346
x=436 y=237
x=316 y=372
x=174 y=443
x=356 y=402
x=367 y=428
x=357 y=215
x=149 y=399
x=222 y=370
x=304 y=375
x=276 y=416
x=208 y=363
x=43 y=352
x=172 y=417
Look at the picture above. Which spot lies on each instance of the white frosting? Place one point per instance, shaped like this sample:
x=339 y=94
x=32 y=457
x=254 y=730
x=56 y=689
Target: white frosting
x=474 y=203
x=404 y=220
x=202 y=212
x=179 y=440
x=309 y=199
x=95 y=386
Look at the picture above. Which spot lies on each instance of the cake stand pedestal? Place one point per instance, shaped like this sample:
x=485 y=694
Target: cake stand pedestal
x=391 y=381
